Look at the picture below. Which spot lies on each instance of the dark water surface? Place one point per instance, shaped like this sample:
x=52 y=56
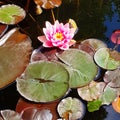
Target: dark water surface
x=95 y=19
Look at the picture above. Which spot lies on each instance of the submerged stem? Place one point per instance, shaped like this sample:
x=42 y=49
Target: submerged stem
x=27 y=5
x=116 y=46
x=35 y=22
x=53 y=16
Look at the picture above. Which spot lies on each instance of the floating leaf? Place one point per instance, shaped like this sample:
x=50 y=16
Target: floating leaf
x=71 y=108
x=42 y=53
x=48 y=4
x=85 y=47
x=32 y=113
x=115 y=37
x=94 y=43
x=94 y=105
x=116 y=104
x=43 y=82
x=80 y=65
x=10 y=115
x=108 y=95
x=3 y=29
x=23 y=104
x=15 y=53
x=92 y=91
x=113 y=78
x=11 y=14
x=107 y=59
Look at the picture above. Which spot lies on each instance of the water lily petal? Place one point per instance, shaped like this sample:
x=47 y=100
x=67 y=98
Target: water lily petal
x=64 y=47
x=72 y=42
x=42 y=38
x=47 y=44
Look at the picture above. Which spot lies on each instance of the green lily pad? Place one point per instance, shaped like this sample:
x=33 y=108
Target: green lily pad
x=94 y=105
x=108 y=95
x=43 y=82
x=107 y=59
x=11 y=14
x=80 y=65
x=71 y=109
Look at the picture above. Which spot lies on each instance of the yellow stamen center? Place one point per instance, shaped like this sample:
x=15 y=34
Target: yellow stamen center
x=58 y=36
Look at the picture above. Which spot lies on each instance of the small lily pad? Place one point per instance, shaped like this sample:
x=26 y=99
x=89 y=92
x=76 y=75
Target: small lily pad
x=43 y=82
x=116 y=104
x=10 y=115
x=48 y=4
x=108 y=95
x=92 y=91
x=71 y=109
x=94 y=105
x=80 y=65
x=107 y=59
x=11 y=14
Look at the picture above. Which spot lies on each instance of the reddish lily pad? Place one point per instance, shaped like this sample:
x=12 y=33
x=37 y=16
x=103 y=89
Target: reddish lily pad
x=85 y=47
x=113 y=78
x=3 y=29
x=42 y=53
x=94 y=43
x=80 y=65
x=43 y=82
x=115 y=37
x=33 y=113
x=10 y=115
x=107 y=59
x=116 y=104
x=48 y=4
x=24 y=104
x=11 y=14
x=15 y=50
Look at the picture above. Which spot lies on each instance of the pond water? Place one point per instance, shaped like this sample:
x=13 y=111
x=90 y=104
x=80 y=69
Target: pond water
x=95 y=19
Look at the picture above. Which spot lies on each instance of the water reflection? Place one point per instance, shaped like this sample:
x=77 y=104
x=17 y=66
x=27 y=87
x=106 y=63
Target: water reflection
x=111 y=114
x=112 y=24
x=97 y=115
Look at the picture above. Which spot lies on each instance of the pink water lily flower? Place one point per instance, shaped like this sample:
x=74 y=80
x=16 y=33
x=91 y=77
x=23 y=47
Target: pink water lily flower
x=58 y=35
